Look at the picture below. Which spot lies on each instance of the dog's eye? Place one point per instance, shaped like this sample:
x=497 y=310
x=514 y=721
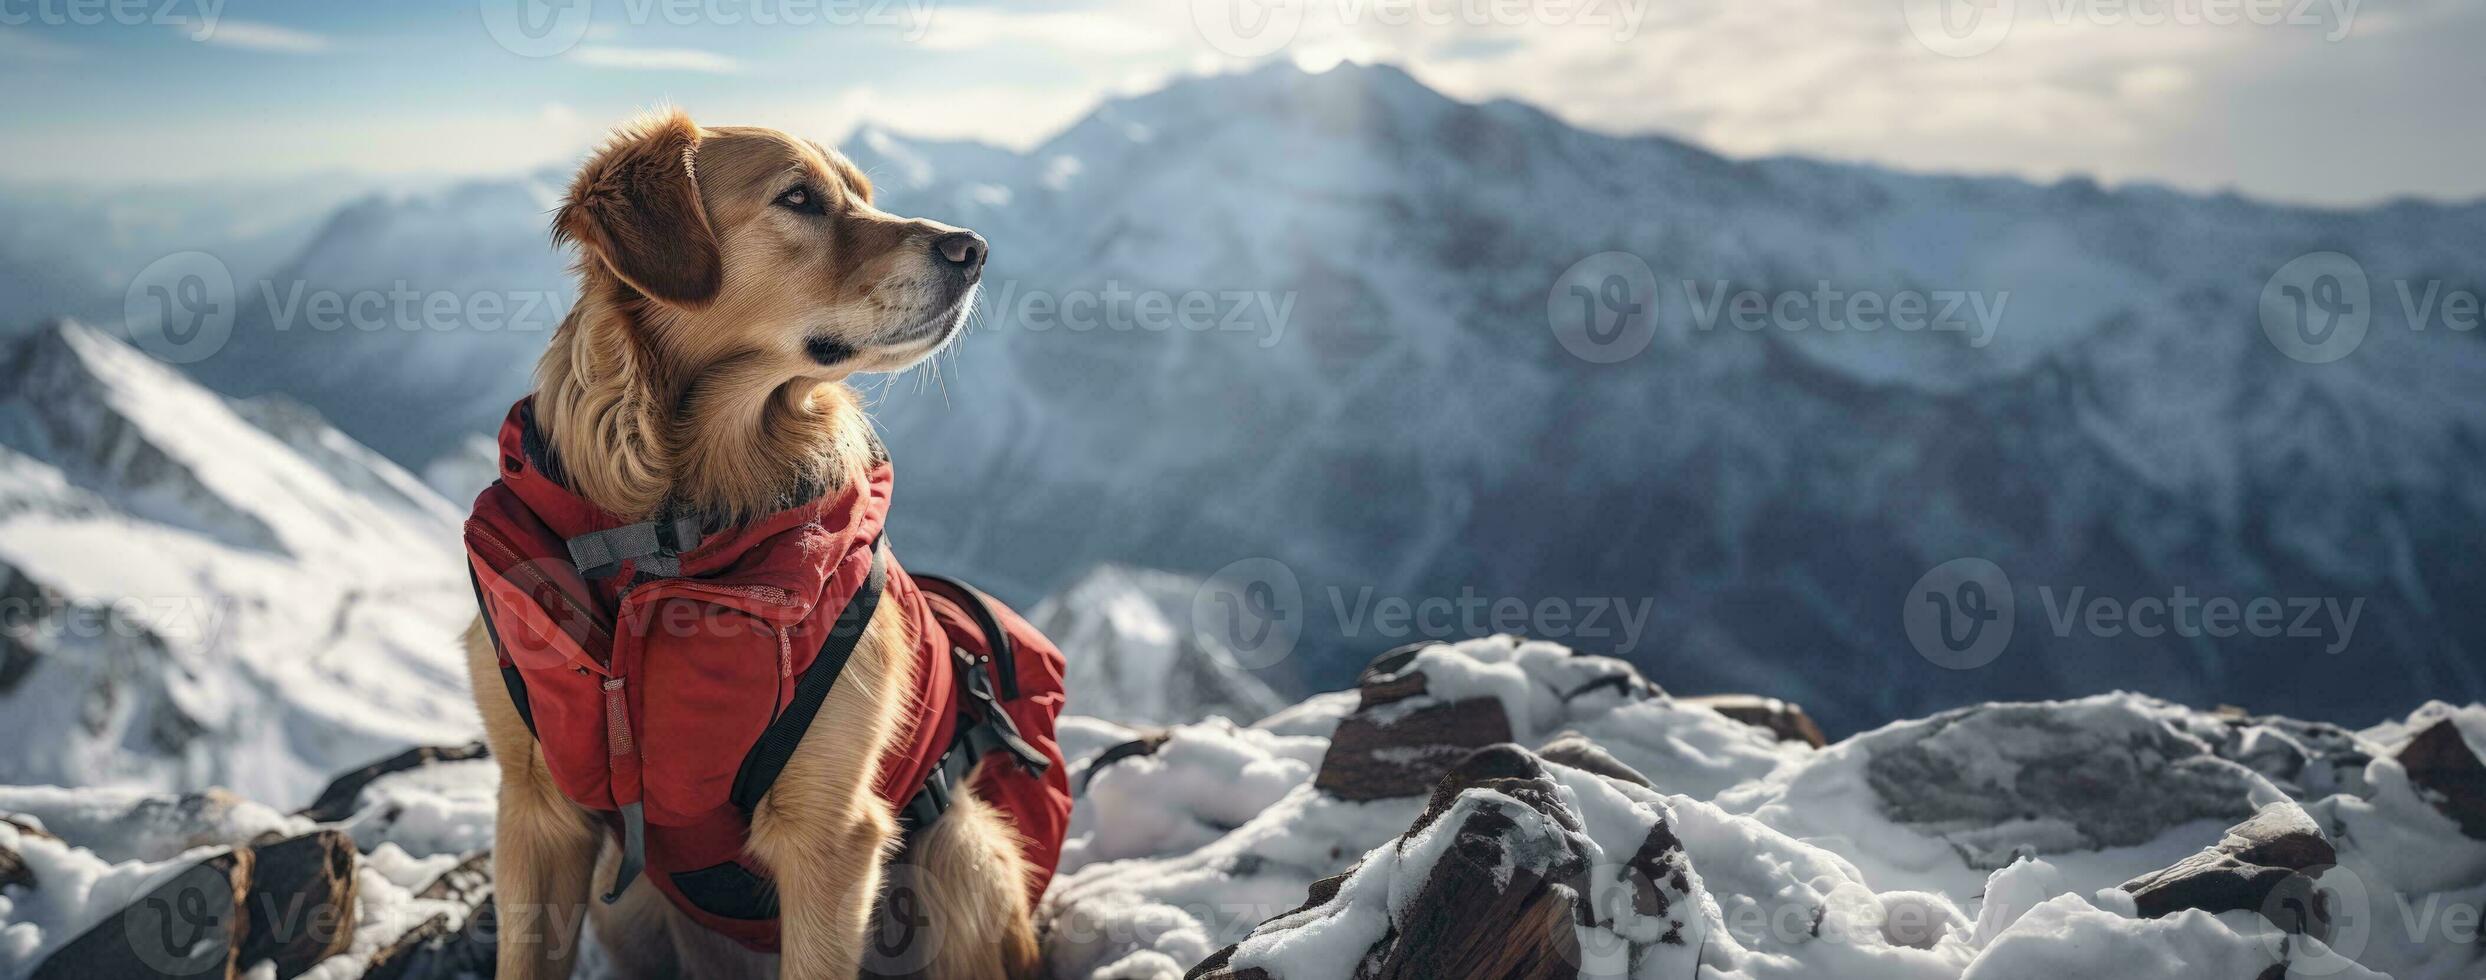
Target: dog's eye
x=801 y=199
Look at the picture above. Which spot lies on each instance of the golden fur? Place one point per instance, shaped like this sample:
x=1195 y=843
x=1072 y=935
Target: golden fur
x=702 y=372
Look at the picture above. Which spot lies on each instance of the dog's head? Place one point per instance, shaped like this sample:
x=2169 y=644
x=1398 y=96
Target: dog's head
x=748 y=244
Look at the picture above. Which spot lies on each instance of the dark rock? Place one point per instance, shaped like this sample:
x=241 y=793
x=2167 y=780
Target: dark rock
x=1402 y=751
x=184 y=928
x=13 y=869
x=1502 y=898
x=1144 y=745
x=2108 y=780
x=2440 y=762
x=2266 y=864
x=337 y=801
x=470 y=882
x=436 y=951
x=1783 y=719
x=1575 y=750
x=301 y=902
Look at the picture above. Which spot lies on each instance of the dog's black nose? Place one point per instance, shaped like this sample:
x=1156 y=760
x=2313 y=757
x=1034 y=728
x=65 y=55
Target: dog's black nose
x=963 y=250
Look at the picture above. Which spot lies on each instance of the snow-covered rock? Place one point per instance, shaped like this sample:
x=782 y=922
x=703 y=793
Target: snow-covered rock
x=1684 y=844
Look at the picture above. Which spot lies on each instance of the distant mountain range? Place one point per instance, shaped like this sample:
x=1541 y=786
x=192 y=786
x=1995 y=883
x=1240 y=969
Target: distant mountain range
x=1371 y=391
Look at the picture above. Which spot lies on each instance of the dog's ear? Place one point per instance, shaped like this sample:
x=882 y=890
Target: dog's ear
x=635 y=208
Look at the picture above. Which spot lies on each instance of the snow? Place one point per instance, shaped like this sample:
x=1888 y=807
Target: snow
x=213 y=592
x=1797 y=870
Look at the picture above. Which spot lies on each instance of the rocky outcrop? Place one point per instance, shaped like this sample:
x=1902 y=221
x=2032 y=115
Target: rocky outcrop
x=288 y=903
x=338 y=800
x=1783 y=719
x=2266 y=864
x=449 y=944
x=1144 y=745
x=301 y=900
x=2440 y=762
x=1401 y=738
x=1498 y=865
x=186 y=927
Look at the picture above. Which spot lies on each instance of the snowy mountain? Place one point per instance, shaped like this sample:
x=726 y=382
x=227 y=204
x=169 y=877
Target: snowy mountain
x=203 y=592
x=1418 y=430
x=1369 y=392
x=410 y=321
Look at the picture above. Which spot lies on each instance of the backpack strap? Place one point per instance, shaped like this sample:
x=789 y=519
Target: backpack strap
x=510 y=677
x=776 y=745
x=656 y=545
x=983 y=728
x=980 y=607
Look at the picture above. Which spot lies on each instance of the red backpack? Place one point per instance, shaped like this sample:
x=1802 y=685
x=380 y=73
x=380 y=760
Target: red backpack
x=668 y=671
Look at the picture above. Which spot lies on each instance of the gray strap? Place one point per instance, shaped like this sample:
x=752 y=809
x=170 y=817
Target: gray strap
x=657 y=546
x=634 y=850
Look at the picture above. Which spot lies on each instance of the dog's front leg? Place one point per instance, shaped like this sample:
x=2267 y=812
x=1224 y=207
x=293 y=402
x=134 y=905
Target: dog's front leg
x=543 y=848
x=827 y=865
x=543 y=864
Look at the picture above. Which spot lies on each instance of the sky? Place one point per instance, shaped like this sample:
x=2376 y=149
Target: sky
x=2329 y=102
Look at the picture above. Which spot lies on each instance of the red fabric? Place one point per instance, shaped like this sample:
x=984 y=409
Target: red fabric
x=654 y=694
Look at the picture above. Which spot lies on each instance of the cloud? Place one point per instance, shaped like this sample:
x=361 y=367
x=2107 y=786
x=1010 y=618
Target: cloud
x=655 y=59
x=256 y=36
x=1087 y=32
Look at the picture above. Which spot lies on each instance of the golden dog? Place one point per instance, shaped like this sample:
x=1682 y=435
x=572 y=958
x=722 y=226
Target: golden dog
x=729 y=281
